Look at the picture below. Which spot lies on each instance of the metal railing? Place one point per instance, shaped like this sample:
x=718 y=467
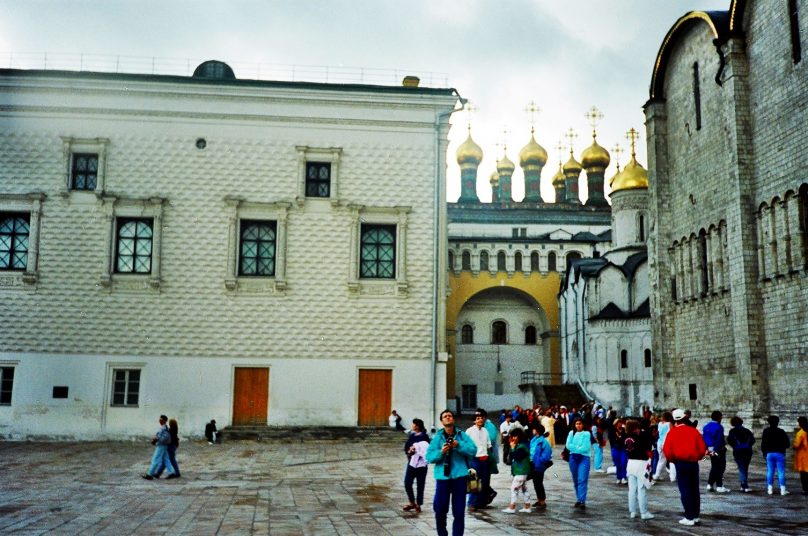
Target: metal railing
x=110 y=63
x=539 y=378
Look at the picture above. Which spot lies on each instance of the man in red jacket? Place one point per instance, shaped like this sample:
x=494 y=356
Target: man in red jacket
x=684 y=447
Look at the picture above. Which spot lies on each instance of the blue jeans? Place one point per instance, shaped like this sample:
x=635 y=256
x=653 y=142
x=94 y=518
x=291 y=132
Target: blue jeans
x=160 y=459
x=172 y=457
x=742 y=458
x=687 y=478
x=579 y=468
x=620 y=459
x=453 y=490
x=479 y=500
x=776 y=461
x=598 y=457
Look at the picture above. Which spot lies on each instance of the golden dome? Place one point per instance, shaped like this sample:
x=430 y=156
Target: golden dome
x=633 y=177
x=532 y=154
x=614 y=177
x=595 y=156
x=558 y=178
x=572 y=166
x=505 y=166
x=469 y=152
x=494 y=180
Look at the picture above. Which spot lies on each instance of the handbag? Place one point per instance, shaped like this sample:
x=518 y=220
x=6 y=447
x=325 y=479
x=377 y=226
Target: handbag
x=565 y=454
x=473 y=484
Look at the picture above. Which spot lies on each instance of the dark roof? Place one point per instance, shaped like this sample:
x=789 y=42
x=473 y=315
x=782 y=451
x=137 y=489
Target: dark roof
x=528 y=213
x=225 y=81
x=632 y=263
x=613 y=312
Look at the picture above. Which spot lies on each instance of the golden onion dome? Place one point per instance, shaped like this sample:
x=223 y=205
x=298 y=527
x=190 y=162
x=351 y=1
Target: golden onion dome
x=469 y=152
x=532 y=154
x=558 y=178
x=572 y=166
x=633 y=177
x=595 y=156
x=494 y=180
x=614 y=177
x=505 y=166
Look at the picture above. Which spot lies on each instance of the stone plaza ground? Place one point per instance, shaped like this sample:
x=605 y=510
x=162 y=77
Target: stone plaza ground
x=289 y=487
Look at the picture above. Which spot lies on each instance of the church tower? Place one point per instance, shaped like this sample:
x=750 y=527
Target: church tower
x=469 y=156
x=505 y=169
x=630 y=202
x=595 y=159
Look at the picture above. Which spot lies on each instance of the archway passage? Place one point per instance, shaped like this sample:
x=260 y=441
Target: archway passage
x=500 y=326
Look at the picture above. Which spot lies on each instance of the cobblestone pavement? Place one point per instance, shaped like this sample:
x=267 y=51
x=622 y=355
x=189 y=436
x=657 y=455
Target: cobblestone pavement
x=325 y=487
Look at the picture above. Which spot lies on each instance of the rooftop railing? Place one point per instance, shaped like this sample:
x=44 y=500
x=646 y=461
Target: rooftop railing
x=109 y=63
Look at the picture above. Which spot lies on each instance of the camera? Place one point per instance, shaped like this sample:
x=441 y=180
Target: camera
x=449 y=441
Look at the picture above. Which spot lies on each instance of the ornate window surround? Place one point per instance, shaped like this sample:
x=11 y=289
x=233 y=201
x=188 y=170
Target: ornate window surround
x=71 y=146
x=114 y=207
x=330 y=155
x=32 y=204
x=378 y=215
x=238 y=209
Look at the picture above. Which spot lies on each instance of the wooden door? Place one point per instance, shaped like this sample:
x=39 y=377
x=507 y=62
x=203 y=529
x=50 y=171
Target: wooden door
x=250 y=396
x=375 y=396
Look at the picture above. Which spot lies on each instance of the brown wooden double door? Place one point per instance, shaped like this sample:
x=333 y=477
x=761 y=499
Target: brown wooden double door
x=250 y=396
x=375 y=396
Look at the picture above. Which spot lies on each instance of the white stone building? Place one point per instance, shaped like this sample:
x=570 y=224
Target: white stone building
x=604 y=308
x=209 y=247
x=729 y=200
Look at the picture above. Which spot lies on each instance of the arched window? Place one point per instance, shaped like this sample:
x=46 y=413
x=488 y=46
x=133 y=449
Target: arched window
x=467 y=334
x=647 y=358
x=466 y=261
x=501 y=261
x=571 y=256
x=499 y=333
x=551 y=262
x=451 y=261
x=534 y=261
x=530 y=335
x=623 y=359
x=484 y=261
x=517 y=262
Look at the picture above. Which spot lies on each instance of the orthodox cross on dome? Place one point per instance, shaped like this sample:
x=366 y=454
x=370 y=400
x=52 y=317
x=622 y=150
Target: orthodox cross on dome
x=532 y=110
x=631 y=136
x=571 y=135
x=617 y=151
x=503 y=140
x=471 y=109
x=560 y=149
x=594 y=116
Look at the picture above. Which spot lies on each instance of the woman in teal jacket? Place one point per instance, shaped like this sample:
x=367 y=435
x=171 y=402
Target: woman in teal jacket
x=541 y=454
x=579 y=443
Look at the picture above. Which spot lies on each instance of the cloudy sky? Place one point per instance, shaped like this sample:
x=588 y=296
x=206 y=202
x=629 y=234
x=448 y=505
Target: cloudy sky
x=500 y=54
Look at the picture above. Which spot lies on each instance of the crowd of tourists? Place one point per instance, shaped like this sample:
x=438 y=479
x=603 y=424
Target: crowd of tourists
x=642 y=450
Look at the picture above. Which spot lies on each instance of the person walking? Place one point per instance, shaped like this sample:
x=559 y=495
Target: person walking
x=493 y=456
x=450 y=450
x=741 y=440
x=171 y=448
x=579 y=443
x=684 y=447
x=479 y=435
x=662 y=464
x=801 y=452
x=713 y=434
x=415 y=448
x=549 y=426
x=617 y=438
x=520 y=469
x=541 y=454
x=597 y=445
x=160 y=441
x=773 y=445
x=506 y=445
x=638 y=450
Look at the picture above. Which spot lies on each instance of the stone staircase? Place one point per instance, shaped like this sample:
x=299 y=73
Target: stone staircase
x=569 y=395
x=294 y=433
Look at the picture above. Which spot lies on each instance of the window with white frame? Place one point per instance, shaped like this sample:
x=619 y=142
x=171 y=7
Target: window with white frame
x=378 y=251
x=318 y=173
x=125 y=387
x=85 y=160
x=133 y=242
x=20 y=216
x=256 y=256
x=6 y=385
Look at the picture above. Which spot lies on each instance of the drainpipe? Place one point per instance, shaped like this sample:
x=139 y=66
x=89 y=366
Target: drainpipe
x=438 y=254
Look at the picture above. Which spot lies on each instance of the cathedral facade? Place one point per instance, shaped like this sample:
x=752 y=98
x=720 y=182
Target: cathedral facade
x=728 y=247
x=267 y=253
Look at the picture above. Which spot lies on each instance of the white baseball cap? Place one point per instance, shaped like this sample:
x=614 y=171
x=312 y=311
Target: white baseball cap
x=678 y=414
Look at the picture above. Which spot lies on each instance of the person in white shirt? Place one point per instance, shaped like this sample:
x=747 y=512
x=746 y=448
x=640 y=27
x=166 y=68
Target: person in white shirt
x=479 y=435
x=504 y=429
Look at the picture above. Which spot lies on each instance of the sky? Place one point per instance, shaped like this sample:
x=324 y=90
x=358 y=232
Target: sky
x=566 y=56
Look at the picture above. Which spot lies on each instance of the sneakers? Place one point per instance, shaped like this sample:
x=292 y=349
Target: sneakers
x=746 y=490
x=632 y=515
x=526 y=510
x=509 y=510
x=624 y=481
x=710 y=487
x=647 y=515
x=722 y=489
x=600 y=470
x=149 y=477
x=687 y=522
x=770 y=490
x=784 y=491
